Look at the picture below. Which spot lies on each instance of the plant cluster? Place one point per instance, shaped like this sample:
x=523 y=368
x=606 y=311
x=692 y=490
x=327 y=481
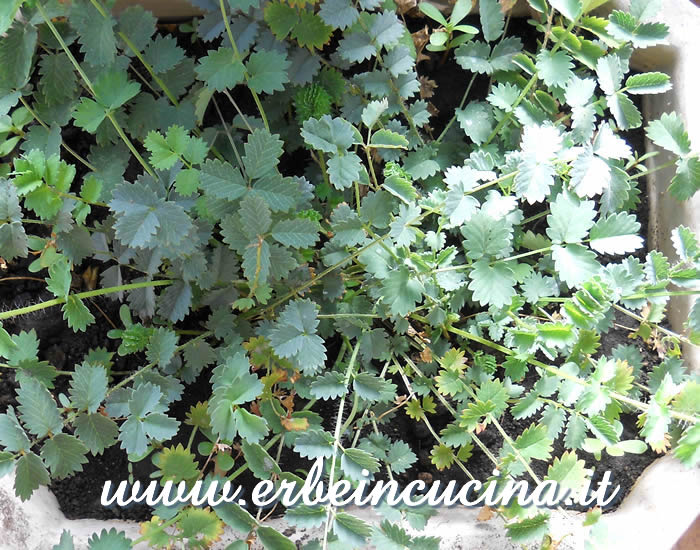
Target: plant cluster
x=279 y=218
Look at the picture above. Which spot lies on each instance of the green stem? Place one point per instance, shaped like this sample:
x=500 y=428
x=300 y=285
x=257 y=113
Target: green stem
x=63 y=143
x=90 y=87
x=655 y=169
x=561 y=374
x=336 y=438
x=525 y=91
x=227 y=24
x=461 y=106
x=163 y=86
x=80 y=295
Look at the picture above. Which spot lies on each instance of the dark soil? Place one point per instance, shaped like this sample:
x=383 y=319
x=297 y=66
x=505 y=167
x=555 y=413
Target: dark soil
x=79 y=496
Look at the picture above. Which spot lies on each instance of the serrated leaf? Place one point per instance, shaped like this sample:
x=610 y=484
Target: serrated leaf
x=648 y=83
x=220 y=69
x=281 y=18
x=625 y=27
x=294 y=335
x=350 y=529
x=76 y=313
x=262 y=152
x=339 y=14
x=669 y=132
x=38 y=410
x=625 y=112
x=221 y=180
x=373 y=388
x=88 y=387
x=529 y=528
x=12 y=436
x=492 y=19
x=58 y=81
x=330 y=135
x=113 y=89
x=574 y=263
x=30 y=473
x=344 y=170
x=274 y=540
x=534 y=443
x=112 y=540
x=314 y=443
x=64 y=455
x=492 y=284
x=554 y=68
x=353 y=461
x=296 y=232
x=570 y=219
x=250 y=427
x=616 y=234
x=476 y=121
x=311 y=32
x=163 y=53
x=474 y=56
x=401 y=291
x=328 y=386
x=400 y=457
x=386 y=29
x=686 y=182
x=161 y=346
x=268 y=71
x=97 y=431
x=95 y=33
x=16 y=51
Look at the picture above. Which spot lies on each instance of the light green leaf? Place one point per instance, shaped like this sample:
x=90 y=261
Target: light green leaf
x=554 y=68
x=64 y=454
x=30 y=473
x=574 y=263
x=492 y=19
x=476 y=120
x=37 y=409
x=570 y=219
x=77 y=314
x=648 y=83
x=97 y=431
x=220 y=69
x=616 y=234
x=296 y=232
x=268 y=71
x=344 y=170
x=492 y=284
x=88 y=387
x=401 y=291
x=669 y=132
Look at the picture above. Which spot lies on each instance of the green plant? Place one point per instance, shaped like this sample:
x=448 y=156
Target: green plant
x=278 y=216
x=444 y=39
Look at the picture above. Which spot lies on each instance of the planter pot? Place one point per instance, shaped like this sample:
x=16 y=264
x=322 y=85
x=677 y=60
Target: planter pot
x=660 y=507
x=663 y=503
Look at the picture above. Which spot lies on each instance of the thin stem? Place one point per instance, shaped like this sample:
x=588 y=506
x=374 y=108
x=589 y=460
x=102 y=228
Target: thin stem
x=230 y=137
x=336 y=439
x=238 y=109
x=81 y=295
x=659 y=328
x=655 y=169
x=561 y=374
x=63 y=143
x=461 y=106
x=227 y=24
x=90 y=87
